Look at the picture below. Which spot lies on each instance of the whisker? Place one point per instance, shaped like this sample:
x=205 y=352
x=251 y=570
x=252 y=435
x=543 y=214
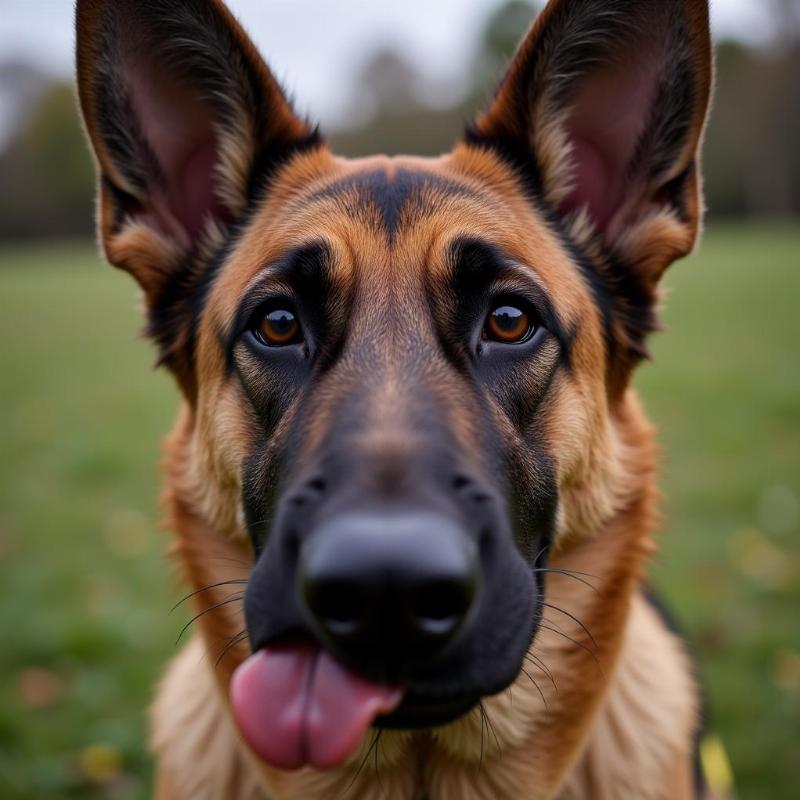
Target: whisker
x=483 y=722
x=232 y=582
x=540 y=553
x=536 y=661
x=232 y=642
x=555 y=629
x=582 y=646
x=570 y=571
x=377 y=770
x=538 y=688
x=574 y=619
x=239 y=561
x=569 y=574
x=232 y=599
x=256 y=522
x=362 y=763
x=491 y=729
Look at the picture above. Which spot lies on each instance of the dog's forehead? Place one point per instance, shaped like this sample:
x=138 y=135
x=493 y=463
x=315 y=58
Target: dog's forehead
x=392 y=221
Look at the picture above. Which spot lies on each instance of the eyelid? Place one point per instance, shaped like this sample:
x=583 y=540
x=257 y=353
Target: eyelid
x=272 y=303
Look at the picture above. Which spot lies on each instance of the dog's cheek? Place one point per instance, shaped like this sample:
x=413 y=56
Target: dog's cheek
x=590 y=466
x=219 y=448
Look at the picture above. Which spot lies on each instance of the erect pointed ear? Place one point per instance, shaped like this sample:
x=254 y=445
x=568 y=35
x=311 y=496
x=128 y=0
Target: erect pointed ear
x=603 y=109
x=186 y=122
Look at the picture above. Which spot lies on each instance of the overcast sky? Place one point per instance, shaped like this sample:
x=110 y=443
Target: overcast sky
x=315 y=46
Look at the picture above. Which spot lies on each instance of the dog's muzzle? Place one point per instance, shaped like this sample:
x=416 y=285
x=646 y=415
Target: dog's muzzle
x=375 y=589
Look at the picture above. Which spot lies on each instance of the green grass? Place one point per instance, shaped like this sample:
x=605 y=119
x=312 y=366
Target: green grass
x=86 y=591
x=724 y=389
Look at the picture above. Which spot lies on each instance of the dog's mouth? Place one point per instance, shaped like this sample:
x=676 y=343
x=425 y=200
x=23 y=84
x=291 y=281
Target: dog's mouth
x=424 y=711
x=295 y=705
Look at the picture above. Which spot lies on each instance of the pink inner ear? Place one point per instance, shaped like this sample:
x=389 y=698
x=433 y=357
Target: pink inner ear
x=194 y=198
x=180 y=133
x=610 y=112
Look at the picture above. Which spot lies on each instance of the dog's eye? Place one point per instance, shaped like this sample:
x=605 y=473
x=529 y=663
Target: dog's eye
x=508 y=324
x=277 y=328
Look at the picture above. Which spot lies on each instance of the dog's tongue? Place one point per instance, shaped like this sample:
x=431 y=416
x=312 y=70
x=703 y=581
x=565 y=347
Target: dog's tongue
x=295 y=705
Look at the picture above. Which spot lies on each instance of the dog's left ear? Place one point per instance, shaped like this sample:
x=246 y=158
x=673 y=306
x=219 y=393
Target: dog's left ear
x=602 y=110
x=188 y=126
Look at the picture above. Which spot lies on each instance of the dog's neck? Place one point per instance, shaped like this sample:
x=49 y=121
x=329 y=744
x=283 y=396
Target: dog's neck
x=586 y=711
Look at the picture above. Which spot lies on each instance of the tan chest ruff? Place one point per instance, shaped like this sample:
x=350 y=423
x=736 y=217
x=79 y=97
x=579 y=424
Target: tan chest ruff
x=640 y=738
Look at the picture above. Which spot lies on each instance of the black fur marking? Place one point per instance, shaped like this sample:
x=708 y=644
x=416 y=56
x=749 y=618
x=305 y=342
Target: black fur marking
x=174 y=313
x=515 y=153
x=478 y=265
x=302 y=267
x=535 y=508
x=260 y=481
x=392 y=193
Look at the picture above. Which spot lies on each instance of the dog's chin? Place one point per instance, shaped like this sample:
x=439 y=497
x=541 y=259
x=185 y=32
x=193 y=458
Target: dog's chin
x=420 y=711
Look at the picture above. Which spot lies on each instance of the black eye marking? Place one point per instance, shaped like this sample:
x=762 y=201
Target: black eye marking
x=300 y=273
x=503 y=291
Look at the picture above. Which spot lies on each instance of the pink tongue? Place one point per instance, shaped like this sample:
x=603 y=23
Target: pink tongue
x=295 y=705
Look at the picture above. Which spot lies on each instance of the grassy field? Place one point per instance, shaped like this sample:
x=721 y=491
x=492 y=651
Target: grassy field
x=86 y=592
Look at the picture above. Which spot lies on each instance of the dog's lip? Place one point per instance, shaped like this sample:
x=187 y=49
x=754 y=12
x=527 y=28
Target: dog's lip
x=427 y=711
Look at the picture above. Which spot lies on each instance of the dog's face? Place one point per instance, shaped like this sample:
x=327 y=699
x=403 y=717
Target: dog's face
x=403 y=375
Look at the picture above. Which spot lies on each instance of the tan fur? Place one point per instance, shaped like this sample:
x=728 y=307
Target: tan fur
x=647 y=719
x=603 y=710
x=606 y=474
x=606 y=469
x=610 y=724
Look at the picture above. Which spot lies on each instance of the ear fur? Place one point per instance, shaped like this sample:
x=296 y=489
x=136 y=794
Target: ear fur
x=602 y=112
x=187 y=125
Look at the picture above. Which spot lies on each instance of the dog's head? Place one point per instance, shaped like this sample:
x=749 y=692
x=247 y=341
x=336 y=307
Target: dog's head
x=403 y=377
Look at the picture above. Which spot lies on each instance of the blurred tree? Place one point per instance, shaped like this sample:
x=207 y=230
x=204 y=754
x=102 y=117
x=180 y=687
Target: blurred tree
x=388 y=82
x=21 y=86
x=402 y=122
x=786 y=14
x=504 y=29
x=46 y=176
x=752 y=157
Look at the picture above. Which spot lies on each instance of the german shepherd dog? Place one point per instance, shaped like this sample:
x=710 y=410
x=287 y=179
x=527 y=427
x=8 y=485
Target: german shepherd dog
x=411 y=488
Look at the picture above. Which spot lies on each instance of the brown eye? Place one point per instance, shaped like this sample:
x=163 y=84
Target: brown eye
x=508 y=324
x=279 y=327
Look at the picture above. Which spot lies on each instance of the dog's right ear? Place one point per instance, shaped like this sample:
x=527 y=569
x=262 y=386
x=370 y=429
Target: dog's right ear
x=187 y=123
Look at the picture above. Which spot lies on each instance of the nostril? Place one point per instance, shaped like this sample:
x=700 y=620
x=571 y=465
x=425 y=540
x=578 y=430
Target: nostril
x=467 y=487
x=439 y=608
x=380 y=585
x=292 y=545
x=460 y=482
x=308 y=493
x=317 y=485
x=339 y=607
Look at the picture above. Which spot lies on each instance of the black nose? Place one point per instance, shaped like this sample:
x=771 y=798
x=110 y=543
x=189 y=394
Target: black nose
x=389 y=586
